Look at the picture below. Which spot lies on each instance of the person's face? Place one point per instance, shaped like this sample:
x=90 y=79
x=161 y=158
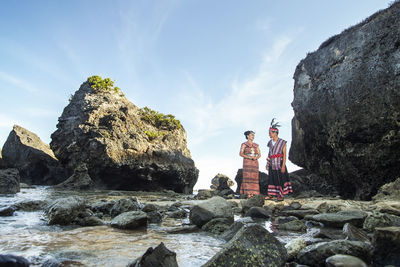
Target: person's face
x=272 y=134
x=251 y=137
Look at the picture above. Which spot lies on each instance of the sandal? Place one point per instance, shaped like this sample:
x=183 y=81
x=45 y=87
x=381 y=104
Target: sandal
x=280 y=199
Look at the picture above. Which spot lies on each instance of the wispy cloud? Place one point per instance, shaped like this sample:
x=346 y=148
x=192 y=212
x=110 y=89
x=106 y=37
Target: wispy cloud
x=16 y=81
x=40 y=112
x=250 y=100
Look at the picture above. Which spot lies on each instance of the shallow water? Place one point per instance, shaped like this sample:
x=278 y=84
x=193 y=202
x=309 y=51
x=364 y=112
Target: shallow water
x=27 y=234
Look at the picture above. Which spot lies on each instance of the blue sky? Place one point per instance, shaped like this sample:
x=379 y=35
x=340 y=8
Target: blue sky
x=222 y=67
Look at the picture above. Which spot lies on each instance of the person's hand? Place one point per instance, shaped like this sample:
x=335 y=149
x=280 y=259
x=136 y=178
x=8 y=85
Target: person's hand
x=283 y=169
x=266 y=167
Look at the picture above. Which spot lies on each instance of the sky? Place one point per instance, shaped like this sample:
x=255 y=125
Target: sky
x=221 y=67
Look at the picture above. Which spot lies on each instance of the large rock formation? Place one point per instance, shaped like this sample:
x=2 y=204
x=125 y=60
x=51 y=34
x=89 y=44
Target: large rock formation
x=34 y=159
x=9 y=181
x=124 y=147
x=2 y=165
x=346 y=125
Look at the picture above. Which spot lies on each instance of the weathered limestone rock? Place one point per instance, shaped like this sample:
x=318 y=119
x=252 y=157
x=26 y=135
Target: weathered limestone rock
x=295 y=225
x=340 y=260
x=294 y=247
x=258 y=212
x=217 y=226
x=389 y=191
x=221 y=181
x=160 y=256
x=130 y=220
x=339 y=219
x=9 y=181
x=315 y=255
x=80 y=180
x=304 y=182
x=65 y=211
x=347 y=107
x=34 y=159
x=256 y=201
x=252 y=245
x=2 y=164
x=124 y=147
x=386 y=242
x=355 y=234
x=215 y=207
x=377 y=219
x=125 y=205
x=235 y=227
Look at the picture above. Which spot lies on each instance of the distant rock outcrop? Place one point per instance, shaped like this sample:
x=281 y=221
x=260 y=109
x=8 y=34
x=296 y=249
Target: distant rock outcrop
x=347 y=107
x=124 y=147
x=34 y=159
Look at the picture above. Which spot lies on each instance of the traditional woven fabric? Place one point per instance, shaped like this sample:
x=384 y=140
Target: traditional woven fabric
x=250 y=183
x=278 y=182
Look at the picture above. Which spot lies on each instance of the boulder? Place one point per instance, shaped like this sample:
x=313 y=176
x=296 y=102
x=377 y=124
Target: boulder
x=9 y=181
x=316 y=254
x=294 y=247
x=221 y=182
x=125 y=205
x=7 y=211
x=262 y=178
x=124 y=147
x=130 y=220
x=258 y=212
x=80 y=180
x=301 y=214
x=339 y=219
x=389 y=191
x=235 y=227
x=377 y=219
x=304 y=181
x=355 y=234
x=329 y=233
x=154 y=216
x=386 y=242
x=346 y=107
x=31 y=205
x=285 y=219
x=13 y=261
x=65 y=211
x=340 y=260
x=160 y=256
x=252 y=245
x=34 y=159
x=255 y=201
x=178 y=214
x=2 y=164
x=215 y=207
x=103 y=206
x=217 y=226
x=205 y=194
x=295 y=225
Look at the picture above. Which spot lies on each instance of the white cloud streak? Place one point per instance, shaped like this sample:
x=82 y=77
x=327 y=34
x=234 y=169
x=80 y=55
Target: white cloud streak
x=15 y=81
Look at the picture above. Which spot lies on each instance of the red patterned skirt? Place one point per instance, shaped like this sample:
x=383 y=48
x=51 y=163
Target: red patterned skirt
x=250 y=184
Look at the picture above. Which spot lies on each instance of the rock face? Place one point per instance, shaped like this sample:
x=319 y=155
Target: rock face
x=2 y=164
x=124 y=147
x=9 y=181
x=80 y=180
x=389 y=191
x=34 y=159
x=386 y=243
x=304 y=181
x=347 y=107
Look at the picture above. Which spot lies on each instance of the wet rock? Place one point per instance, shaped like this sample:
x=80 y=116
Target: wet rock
x=179 y=214
x=31 y=205
x=160 y=256
x=235 y=227
x=295 y=205
x=294 y=247
x=301 y=214
x=205 y=194
x=262 y=178
x=339 y=219
x=13 y=261
x=216 y=207
x=285 y=219
x=258 y=212
x=149 y=207
x=80 y=180
x=328 y=208
x=252 y=245
x=346 y=107
x=124 y=147
x=389 y=191
x=308 y=184
x=103 y=206
x=217 y=226
x=51 y=262
x=7 y=211
x=386 y=242
x=130 y=220
x=255 y=201
x=329 y=233
x=295 y=225
x=154 y=217
x=34 y=159
x=64 y=211
x=125 y=205
x=87 y=218
x=355 y=234
x=377 y=219
x=316 y=254
x=184 y=229
x=389 y=210
x=344 y=260
x=9 y=181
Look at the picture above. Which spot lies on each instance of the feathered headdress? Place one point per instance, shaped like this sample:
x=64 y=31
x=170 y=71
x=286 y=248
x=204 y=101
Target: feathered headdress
x=274 y=125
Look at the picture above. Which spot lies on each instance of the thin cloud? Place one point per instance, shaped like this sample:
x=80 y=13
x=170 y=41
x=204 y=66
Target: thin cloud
x=20 y=83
